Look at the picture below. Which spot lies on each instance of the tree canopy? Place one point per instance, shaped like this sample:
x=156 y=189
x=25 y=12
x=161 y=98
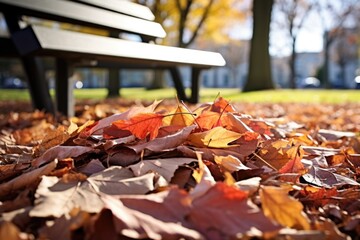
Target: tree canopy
x=188 y=20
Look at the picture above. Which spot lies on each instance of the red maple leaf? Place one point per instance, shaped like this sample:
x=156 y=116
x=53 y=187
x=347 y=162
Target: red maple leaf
x=142 y=124
x=222 y=105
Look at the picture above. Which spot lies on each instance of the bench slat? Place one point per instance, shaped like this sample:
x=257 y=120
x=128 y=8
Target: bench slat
x=122 y=6
x=72 y=12
x=50 y=41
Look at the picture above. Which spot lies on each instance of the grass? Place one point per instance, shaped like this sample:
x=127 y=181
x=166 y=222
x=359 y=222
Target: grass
x=209 y=94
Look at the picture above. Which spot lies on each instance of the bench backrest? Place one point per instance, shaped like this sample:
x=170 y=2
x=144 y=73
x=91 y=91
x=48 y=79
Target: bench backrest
x=122 y=6
x=75 y=13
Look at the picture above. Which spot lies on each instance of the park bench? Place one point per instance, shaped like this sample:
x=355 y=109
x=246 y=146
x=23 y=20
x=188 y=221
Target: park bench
x=71 y=48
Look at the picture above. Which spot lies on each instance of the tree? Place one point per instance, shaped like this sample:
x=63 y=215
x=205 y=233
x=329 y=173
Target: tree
x=334 y=15
x=236 y=52
x=188 y=20
x=296 y=12
x=259 y=63
x=345 y=51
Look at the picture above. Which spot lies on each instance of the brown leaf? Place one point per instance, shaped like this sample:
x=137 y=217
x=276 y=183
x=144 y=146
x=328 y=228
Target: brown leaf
x=278 y=153
x=9 y=231
x=166 y=167
x=55 y=197
x=330 y=229
x=324 y=178
x=224 y=212
x=52 y=138
x=64 y=226
x=155 y=216
x=26 y=179
x=60 y=152
x=165 y=143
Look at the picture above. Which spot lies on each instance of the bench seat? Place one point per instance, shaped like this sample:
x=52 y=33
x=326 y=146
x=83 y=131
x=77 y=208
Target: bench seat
x=74 y=48
x=48 y=41
x=70 y=46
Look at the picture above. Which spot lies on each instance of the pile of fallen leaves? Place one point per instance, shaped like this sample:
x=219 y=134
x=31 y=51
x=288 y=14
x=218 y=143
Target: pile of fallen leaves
x=166 y=171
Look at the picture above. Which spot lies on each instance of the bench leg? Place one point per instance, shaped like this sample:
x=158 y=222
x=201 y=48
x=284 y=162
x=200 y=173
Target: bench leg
x=38 y=86
x=64 y=88
x=195 y=85
x=179 y=86
x=113 y=83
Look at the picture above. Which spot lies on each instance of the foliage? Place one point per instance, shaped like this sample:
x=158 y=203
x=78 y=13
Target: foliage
x=188 y=20
x=296 y=13
x=162 y=172
x=341 y=12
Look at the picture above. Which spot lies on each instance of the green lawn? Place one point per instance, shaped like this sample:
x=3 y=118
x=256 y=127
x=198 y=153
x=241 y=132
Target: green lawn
x=209 y=94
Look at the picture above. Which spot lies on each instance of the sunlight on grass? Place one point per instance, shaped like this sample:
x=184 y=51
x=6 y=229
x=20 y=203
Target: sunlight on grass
x=207 y=94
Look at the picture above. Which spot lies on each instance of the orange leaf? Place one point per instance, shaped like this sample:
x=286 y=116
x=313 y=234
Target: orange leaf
x=282 y=208
x=142 y=124
x=295 y=165
x=208 y=120
x=319 y=196
x=222 y=105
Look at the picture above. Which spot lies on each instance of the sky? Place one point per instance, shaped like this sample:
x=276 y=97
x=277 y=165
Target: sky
x=309 y=38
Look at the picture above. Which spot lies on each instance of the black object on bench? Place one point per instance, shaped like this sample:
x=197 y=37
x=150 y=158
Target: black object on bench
x=70 y=48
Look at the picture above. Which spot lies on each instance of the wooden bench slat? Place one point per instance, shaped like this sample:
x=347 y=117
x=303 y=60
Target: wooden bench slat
x=71 y=49
x=61 y=10
x=122 y=6
x=71 y=44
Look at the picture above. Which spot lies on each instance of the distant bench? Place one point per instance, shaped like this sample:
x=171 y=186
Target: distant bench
x=70 y=48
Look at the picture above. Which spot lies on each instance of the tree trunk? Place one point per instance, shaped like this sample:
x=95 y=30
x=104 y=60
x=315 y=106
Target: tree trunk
x=292 y=66
x=113 y=86
x=326 y=80
x=158 y=80
x=259 y=64
x=342 y=65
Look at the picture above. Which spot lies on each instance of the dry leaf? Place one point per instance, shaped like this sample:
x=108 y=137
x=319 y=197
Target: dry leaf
x=156 y=216
x=282 y=208
x=230 y=163
x=142 y=124
x=60 y=152
x=26 y=179
x=224 y=212
x=217 y=137
x=55 y=197
x=166 y=167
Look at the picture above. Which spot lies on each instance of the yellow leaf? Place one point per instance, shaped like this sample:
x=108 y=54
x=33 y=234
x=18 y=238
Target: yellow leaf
x=217 y=137
x=182 y=117
x=230 y=163
x=282 y=208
